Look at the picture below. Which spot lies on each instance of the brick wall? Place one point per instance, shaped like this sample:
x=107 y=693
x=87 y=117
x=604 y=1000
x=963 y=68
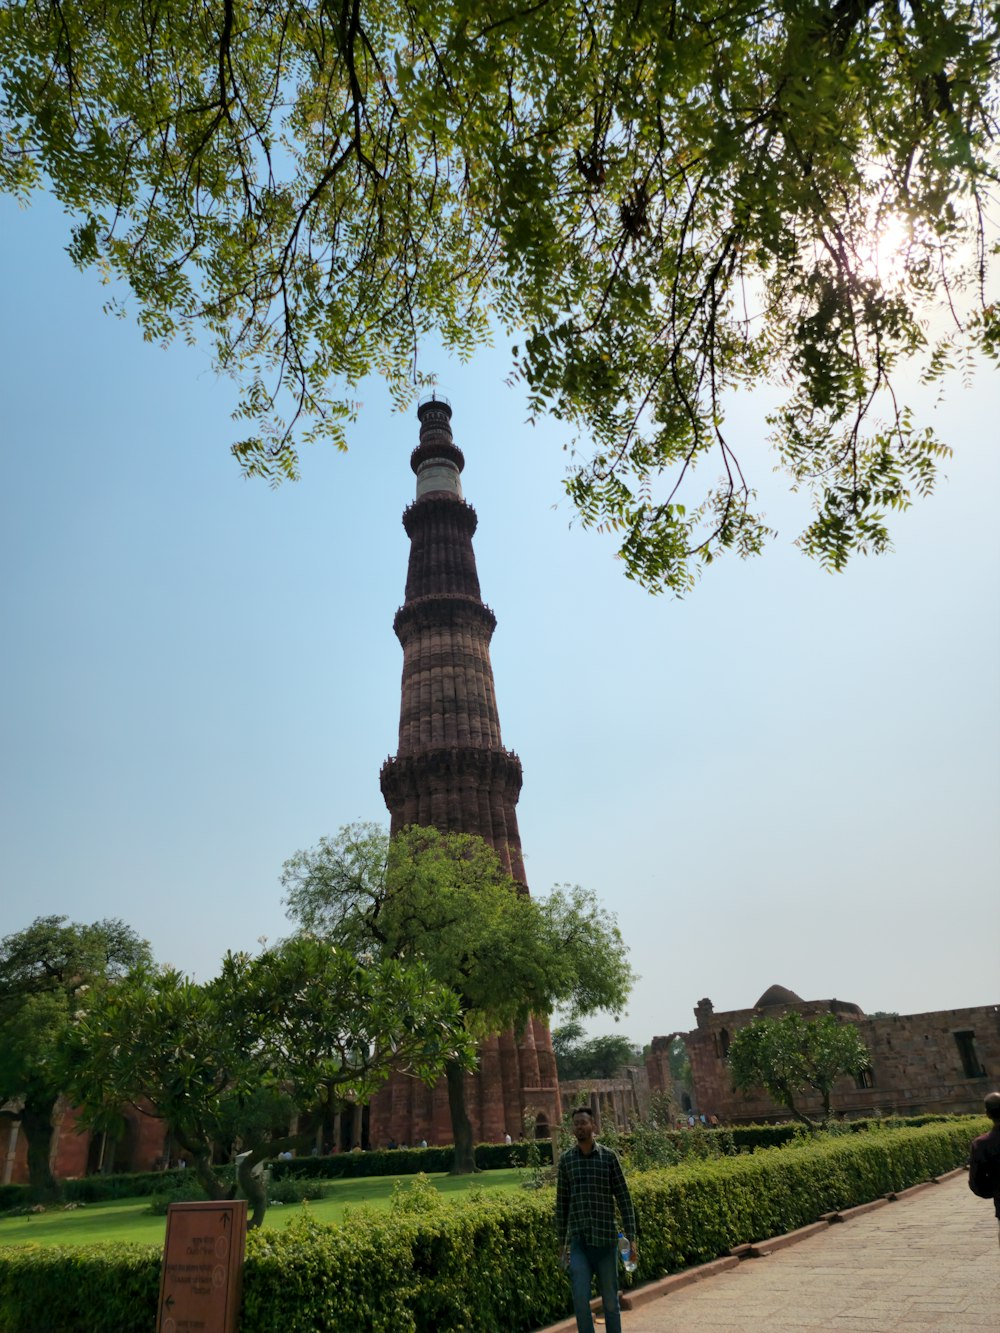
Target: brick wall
x=944 y=1061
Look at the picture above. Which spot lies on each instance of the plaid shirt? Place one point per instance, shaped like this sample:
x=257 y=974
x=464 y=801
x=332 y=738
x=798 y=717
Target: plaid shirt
x=587 y=1186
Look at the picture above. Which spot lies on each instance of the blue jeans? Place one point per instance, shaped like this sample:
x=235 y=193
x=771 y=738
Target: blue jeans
x=600 y=1261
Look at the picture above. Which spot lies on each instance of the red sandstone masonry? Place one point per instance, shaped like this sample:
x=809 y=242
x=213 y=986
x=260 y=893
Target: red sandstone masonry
x=452 y=771
x=917 y=1060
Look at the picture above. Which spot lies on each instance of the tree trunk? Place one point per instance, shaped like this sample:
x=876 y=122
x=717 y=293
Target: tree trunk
x=198 y=1155
x=800 y=1115
x=253 y=1186
x=464 y=1161
x=254 y=1190
x=36 y=1125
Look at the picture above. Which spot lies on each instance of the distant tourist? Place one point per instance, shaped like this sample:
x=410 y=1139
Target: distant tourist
x=984 y=1158
x=508 y=1140
x=423 y=1143
x=589 y=1184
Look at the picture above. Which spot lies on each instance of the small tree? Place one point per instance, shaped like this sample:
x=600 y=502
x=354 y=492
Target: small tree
x=46 y=971
x=297 y=1027
x=445 y=900
x=791 y=1056
x=592 y=1057
x=680 y=1063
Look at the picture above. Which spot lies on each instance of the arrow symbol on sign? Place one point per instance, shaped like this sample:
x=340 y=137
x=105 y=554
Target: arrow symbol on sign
x=169 y=1302
x=225 y=1219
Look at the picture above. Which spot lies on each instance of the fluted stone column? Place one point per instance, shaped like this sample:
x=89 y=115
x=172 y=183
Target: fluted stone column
x=451 y=770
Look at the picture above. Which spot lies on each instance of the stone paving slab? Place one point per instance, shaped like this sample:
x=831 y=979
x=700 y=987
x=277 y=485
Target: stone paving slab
x=926 y=1263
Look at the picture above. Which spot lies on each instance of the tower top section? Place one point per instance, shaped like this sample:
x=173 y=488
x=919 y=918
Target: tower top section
x=437 y=459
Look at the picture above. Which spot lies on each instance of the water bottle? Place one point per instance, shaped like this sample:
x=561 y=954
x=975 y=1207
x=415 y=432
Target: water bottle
x=625 y=1250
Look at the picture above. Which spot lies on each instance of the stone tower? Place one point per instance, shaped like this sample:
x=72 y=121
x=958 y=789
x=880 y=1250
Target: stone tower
x=452 y=772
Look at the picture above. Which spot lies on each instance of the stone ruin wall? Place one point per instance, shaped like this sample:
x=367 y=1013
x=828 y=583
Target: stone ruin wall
x=620 y=1101
x=921 y=1063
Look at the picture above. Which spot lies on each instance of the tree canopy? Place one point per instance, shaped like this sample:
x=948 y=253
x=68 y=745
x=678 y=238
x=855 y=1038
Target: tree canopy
x=288 y=1033
x=444 y=900
x=47 y=972
x=578 y=1056
x=662 y=205
x=792 y=1057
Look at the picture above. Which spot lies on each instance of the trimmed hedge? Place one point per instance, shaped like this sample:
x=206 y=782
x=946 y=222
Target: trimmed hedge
x=66 y=1289
x=14 y=1196
x=488 y=1265
x=404 y=1161
x=692 y=1214
x=102 y=1189
x=773 y=1136
x=748 y=1138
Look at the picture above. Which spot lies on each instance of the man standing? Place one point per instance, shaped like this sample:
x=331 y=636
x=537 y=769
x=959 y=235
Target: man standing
x=589 y=1183
x=984 y=1157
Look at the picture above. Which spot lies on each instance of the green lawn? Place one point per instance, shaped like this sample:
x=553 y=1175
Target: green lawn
x=129 y=1219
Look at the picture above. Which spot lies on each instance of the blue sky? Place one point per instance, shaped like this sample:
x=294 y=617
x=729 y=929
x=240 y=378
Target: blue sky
x=788 y=777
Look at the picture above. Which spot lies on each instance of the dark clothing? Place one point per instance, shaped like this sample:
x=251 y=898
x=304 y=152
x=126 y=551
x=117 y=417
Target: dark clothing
x=587 y=1187
x=984 y=1167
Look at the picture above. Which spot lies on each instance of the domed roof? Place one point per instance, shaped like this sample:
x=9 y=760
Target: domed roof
x=777 y=995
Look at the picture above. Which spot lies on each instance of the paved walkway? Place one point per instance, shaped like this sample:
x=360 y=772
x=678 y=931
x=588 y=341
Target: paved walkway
x=931 y=1260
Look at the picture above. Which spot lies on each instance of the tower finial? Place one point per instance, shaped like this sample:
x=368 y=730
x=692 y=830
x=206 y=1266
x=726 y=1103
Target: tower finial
x=437 y=459
x=435 y=416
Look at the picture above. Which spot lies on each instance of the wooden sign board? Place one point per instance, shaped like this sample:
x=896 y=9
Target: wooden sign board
x=201 y=1282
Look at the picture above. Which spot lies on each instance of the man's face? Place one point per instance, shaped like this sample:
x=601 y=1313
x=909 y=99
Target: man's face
x=583 y=1127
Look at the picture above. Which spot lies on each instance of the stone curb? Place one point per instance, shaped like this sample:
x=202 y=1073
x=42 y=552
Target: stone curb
x=896 y=1195
x=663 y=1286
x=762 y=1248
x=858 y=1211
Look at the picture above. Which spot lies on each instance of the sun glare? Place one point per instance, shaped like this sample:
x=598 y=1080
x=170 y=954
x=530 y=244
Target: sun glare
x=885 y=254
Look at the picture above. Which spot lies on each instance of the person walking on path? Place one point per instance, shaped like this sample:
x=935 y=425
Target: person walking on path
x=984 y=1158
x=589 y=1184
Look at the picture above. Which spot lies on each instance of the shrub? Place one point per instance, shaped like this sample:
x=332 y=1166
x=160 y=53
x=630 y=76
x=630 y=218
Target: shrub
x=129 y=1185
x=430 y=1267
x=68 y=1289
x=417 y=1197
x=488 y=1265
x=695 y=1213
x=182 y=1191
x=14 y=1197
x=404 y=1161
x=295 y=1189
